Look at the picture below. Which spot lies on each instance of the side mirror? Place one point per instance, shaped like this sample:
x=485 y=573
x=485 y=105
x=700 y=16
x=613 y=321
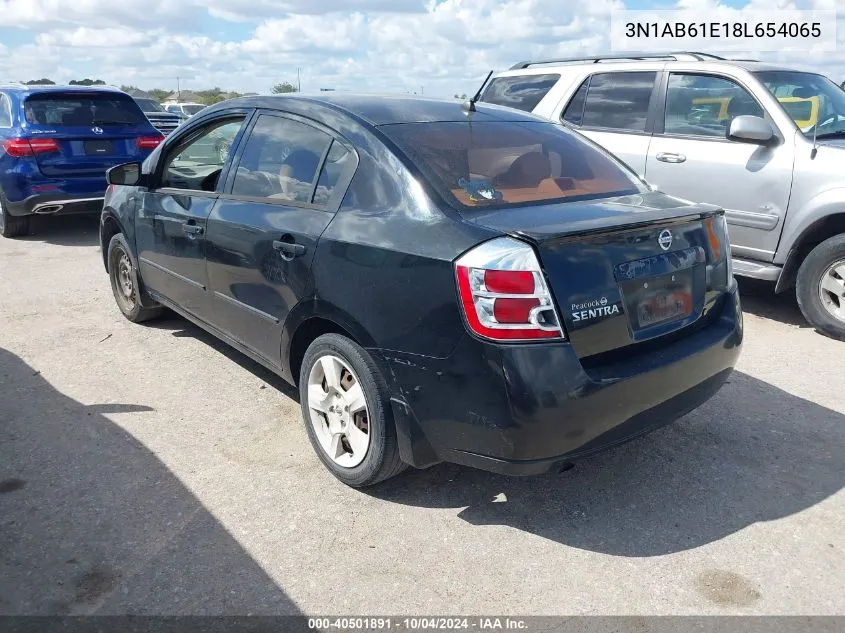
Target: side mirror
x=751 y=129
x=126 y=174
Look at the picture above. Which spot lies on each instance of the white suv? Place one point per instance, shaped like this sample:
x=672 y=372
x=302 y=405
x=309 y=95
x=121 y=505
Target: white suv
x=765 y=142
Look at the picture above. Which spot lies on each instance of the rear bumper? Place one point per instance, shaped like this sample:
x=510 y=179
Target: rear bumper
x=527 y=409
x=57 y=204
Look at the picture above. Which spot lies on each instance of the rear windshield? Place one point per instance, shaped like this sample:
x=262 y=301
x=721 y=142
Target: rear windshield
x=82 y=110
x=149 y=105
x=495 y=164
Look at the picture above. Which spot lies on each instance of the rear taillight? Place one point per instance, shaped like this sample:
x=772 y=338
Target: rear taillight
x=20 y=147
x=148 y=142
x=504 y=294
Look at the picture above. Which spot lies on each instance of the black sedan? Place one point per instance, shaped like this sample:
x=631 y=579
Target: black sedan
x=442 y=283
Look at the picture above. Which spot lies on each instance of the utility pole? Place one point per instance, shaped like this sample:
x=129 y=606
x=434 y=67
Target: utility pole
x=298 y=81
x=178 y=90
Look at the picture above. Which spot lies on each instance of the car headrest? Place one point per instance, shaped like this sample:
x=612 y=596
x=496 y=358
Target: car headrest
x=526 y=171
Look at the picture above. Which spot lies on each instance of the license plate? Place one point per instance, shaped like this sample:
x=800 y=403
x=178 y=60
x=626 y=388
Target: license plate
x=651 y=301
x=99 y=148
x=665 y=305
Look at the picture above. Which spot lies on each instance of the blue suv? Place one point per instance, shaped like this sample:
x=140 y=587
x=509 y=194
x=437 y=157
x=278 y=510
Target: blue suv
x=56 y=143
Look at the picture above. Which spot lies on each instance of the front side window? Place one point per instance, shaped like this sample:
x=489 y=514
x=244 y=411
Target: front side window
x=495 y=164
x=197 y=164
x=522 y=92
x=78 y=110
x=814 y=102
x=614 y=101
x=280 y=160
x=5 y=111
x=704 y=105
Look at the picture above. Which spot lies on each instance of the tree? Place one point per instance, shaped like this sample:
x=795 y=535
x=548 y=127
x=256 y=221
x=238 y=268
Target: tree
x=87 y=82
x=159 y=94
x=284 y=88
x=41 y=82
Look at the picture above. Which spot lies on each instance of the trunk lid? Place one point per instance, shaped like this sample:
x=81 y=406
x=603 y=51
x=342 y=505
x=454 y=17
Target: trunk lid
x=623 y=270
x=82 y=152
x=92 y=130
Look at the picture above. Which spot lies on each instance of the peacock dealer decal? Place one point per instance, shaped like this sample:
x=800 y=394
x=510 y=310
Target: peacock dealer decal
x=593 y=309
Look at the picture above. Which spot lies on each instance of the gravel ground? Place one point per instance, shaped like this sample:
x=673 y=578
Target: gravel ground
x=152 y=470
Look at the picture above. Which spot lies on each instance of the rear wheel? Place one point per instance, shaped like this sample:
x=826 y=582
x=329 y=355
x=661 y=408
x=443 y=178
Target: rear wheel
x=124 y=283
x=12 y=225
x=820 y=287
x=347 y=413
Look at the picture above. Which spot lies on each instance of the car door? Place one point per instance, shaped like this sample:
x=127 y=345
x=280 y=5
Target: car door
x=291 y=174
x=690 y=156
x=172 y=214
x=613 y=109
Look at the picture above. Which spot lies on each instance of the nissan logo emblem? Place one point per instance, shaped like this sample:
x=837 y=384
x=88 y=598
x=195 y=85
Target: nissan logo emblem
x=665 y=239
x=97 y=130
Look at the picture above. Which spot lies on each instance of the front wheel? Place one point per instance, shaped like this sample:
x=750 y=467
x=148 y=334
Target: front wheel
x=124 y=283
x=820 y=287
x=347 y=414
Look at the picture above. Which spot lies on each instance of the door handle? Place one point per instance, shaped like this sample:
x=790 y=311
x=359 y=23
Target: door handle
x=670 y=157
x=192 y=229
x=289 y=248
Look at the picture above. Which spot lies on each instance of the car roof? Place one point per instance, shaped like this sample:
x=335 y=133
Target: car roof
x=382 y=109
x=27 y=90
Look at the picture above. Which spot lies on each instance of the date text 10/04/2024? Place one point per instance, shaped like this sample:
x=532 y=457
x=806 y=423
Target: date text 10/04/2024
x=723 y=30
x=417 y=623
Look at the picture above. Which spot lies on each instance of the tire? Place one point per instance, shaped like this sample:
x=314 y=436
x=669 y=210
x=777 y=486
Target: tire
x=341 y=432
x=12 y=225
x=820 y=289
x=124 y=283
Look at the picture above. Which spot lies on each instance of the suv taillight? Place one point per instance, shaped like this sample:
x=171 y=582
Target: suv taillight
x=148 y=142
x=504 y=294
x=20 y=147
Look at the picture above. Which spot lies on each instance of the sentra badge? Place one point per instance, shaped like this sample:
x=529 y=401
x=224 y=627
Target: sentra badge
x=593 y=309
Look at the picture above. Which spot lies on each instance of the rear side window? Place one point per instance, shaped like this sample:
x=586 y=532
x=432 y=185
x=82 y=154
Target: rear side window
x=280 y=160
x=495 y=164
x=338 y=161
x=5 y=111
x=615 y=101
x=77 y=110
x=522 y=93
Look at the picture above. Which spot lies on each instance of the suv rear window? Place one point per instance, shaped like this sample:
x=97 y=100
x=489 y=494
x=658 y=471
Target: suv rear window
x=82 y=110
x=523 y=92
x=495 y=164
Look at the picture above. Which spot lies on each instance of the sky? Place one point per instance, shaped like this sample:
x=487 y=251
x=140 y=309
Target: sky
x=434 y=47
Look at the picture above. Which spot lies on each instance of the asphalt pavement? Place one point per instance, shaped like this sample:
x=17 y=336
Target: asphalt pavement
x=150 y=469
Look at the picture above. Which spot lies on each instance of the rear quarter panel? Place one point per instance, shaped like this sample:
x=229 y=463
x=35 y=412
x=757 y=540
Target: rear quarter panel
x=386 y=258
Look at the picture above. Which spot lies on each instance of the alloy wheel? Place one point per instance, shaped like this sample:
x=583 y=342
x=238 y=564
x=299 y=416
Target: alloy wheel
x=832 y=290
x=339 y=413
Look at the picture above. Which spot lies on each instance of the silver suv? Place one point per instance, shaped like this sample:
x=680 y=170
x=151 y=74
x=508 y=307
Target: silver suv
x=765 y=142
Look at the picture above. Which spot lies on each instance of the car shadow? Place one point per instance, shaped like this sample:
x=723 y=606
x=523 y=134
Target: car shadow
x=753 y=453
x=759 y=298
x=181 y=327
x=69 y=230
x=92 y=522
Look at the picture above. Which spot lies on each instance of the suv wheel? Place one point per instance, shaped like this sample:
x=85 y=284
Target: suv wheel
x=820 y=287
x=347 y=413
x=12 y=225
x=124 y=283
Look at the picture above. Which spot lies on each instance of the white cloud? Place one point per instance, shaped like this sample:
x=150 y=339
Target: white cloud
x=445 y=46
